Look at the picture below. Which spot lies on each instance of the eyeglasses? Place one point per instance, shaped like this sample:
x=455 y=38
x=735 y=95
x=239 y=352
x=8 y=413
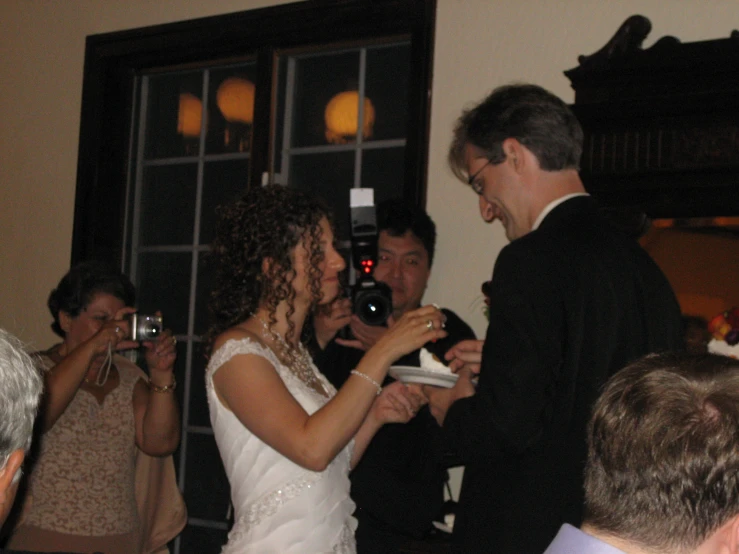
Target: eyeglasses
x=474 y=182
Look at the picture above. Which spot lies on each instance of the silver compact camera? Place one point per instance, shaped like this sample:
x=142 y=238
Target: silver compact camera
x=146 y=327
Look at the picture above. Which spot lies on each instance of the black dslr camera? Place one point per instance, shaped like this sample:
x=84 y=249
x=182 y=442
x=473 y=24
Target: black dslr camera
x=371 y=301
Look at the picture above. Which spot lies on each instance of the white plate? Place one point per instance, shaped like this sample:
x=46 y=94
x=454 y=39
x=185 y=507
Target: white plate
x=410 y=374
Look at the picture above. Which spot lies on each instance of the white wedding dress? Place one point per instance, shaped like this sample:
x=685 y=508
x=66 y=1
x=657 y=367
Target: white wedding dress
x=280 y=507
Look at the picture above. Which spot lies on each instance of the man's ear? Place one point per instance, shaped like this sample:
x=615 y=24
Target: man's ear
x=733 y=538
x=725 y=540
x=15 y=460
x=514 y=154
x=8 y=486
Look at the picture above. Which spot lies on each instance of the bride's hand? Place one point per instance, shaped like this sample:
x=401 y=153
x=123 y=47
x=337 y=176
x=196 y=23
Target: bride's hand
x=397 y=403
x=412 y=331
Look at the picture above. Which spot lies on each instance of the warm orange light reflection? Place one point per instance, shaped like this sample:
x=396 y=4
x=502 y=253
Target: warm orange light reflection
x=696 y=222
x=190 y=115
x=342 y=117
x=235 y=99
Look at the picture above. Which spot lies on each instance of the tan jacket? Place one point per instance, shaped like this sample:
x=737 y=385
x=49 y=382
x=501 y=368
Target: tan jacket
x=162 y=509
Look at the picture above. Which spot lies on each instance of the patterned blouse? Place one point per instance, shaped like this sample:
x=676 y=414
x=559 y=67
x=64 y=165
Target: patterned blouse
x=83 y=480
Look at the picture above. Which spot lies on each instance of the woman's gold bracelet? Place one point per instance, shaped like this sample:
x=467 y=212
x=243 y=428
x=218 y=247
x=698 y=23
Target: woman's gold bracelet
x=165 y=388
x=368 y=379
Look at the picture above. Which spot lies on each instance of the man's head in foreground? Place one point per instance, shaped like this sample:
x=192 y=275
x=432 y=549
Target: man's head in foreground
x=663 y=465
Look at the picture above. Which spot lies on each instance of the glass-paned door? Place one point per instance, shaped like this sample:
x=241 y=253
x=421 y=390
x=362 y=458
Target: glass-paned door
x=191 y=155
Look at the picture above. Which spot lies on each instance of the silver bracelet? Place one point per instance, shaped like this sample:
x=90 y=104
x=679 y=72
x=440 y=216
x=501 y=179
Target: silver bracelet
x=367 y=378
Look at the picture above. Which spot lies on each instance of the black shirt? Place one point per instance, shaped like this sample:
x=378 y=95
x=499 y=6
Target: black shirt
x=398 y=485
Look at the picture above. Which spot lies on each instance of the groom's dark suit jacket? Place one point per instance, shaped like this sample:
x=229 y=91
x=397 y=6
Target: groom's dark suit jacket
x=572 y=302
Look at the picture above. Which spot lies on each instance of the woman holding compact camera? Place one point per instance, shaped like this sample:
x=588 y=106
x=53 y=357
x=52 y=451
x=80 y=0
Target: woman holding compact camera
x=102 y=421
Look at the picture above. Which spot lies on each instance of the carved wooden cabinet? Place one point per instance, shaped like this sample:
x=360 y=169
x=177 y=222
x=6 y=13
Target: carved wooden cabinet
x=661 y=124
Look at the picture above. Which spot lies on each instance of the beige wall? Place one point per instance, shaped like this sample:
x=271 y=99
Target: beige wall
x=479 y=44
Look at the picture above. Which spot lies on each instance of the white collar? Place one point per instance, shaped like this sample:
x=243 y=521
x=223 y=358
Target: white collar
x=553 y=204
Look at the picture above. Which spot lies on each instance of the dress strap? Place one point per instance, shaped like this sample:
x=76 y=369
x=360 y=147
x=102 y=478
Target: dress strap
x=235 y=347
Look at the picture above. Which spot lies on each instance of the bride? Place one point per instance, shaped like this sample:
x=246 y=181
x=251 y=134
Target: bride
x=287 y=438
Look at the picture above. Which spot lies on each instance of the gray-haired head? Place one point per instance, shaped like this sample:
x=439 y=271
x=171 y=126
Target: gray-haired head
x=20 y=388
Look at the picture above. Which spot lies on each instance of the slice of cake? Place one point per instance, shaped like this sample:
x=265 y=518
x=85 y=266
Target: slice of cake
x=432 y=363
x=720 y=347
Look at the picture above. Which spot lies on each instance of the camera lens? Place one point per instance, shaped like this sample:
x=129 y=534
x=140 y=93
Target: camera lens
x=373 y=309
x=151 y=331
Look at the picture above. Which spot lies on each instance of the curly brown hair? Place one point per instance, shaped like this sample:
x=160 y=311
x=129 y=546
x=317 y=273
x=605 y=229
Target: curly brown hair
x=265 y=223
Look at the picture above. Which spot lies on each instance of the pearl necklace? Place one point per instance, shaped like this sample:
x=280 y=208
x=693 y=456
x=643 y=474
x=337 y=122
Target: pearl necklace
x=297 y=360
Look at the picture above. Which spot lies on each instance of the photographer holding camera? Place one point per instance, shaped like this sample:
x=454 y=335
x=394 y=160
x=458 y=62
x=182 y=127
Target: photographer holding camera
x=103 y=421
x=399 y=484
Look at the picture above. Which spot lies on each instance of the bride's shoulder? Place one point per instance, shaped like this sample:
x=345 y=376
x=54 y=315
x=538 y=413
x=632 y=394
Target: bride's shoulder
x=233 y=342
x=237 y=334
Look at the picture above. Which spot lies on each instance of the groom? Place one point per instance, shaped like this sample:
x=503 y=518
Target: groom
x=572 y=300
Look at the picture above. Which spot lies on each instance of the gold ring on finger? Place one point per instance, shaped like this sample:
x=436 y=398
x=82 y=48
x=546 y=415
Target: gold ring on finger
x=430 y=324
